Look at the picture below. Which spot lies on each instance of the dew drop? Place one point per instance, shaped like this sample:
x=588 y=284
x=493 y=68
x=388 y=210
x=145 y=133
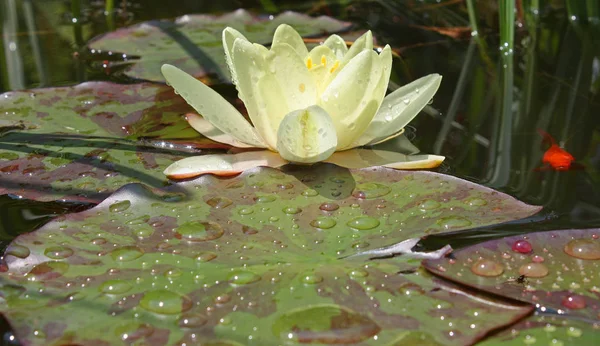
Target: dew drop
x=219 y=202
x=486 y=267
x=370 y=191
x=165 y=302
x=323 y=223
x=58 y=252
x=475 y=202
x=205 y=256
x=533 y=270
x=573 y=302
x=265 y=199
x=586 y=249
x=126 y=253
x=310 y=193
x=363 y=223
x=17 y=250
x=522 y=246
x=429 y=205
x=114 y=287
x=574 y=332
x=453 y=222
x=192 y=320
x=358 y=273
x=243 y=277
x=245 y=211
x=329 y=206
x=119 y=206
x=312 y=279
x=197 y=231
x=291 y=210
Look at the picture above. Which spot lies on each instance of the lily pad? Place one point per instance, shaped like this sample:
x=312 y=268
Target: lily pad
x=254 y=259
x=557 y=270
x=84 y=142
x=546 y=330
x=193 y=42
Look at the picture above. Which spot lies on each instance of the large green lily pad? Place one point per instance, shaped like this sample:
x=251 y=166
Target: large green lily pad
x=254 y=259
x=193 y=42
x=86 y=141
x=558 y=270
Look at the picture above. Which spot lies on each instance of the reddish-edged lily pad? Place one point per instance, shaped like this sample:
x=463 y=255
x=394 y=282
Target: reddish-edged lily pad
x=254 y=259
x=193 y=42
x=86 y=141
x=559 y=271
x=546 y=330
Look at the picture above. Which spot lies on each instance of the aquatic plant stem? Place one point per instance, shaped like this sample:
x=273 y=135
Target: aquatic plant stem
x=110 y=15
x=503 y=139
x=75 y=18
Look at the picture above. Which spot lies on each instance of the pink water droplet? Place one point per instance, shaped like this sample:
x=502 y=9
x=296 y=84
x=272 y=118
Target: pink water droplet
x=537 y=259
x=533 y=270
x=573 y=302
x=522 y=246
x=486 y=267
x=329 y=206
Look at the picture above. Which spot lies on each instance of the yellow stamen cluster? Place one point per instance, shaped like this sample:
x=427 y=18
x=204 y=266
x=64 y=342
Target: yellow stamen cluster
x=310 y=65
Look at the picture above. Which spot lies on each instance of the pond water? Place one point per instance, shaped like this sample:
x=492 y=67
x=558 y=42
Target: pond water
x=486 y=118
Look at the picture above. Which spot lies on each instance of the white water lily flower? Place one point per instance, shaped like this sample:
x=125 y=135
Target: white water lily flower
x=305 y=106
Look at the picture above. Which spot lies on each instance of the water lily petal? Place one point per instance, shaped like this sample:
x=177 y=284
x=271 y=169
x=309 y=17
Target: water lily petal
x=223 y=164
x=293 y=79
x=229 y=37
x=306 y=135
x=365 y=41
x=362 y=158
x=337 y=45
x=399 y=108
x=348 y=97
x=212 y=106
x=250 y=66
x=210 y=131
x=286 y=34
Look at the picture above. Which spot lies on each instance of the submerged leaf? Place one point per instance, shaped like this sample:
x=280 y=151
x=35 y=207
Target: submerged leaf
x=193 y=42
x=557 y=270
x=254 y=259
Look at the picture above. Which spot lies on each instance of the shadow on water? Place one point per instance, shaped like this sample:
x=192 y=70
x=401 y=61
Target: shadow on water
x=19 y=216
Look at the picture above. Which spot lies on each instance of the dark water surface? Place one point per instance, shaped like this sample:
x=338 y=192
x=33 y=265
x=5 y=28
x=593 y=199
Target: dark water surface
x=486 y=126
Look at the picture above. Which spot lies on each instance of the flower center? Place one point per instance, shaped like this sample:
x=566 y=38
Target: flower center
x=310 y=64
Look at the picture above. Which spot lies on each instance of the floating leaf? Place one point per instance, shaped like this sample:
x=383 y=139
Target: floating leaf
x=254 y=259
x=193 y=42
x=546 y=330
x=85 y=141
x=557 y=270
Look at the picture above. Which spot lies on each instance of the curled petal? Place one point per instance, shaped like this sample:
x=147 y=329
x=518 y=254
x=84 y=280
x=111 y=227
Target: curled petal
x=212 y=106
x=222 y=164
x=362 y=158
x=399 y=108
x=229 y=37
x=210 y=131
x=286 y=34
x=337 y=45
x=306 y=136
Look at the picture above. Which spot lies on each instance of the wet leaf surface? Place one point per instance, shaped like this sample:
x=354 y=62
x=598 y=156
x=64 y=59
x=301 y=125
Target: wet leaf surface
x=558 y=270
x=193 y=42
x=84 y=142
x=546 y=330
x=255 y=259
